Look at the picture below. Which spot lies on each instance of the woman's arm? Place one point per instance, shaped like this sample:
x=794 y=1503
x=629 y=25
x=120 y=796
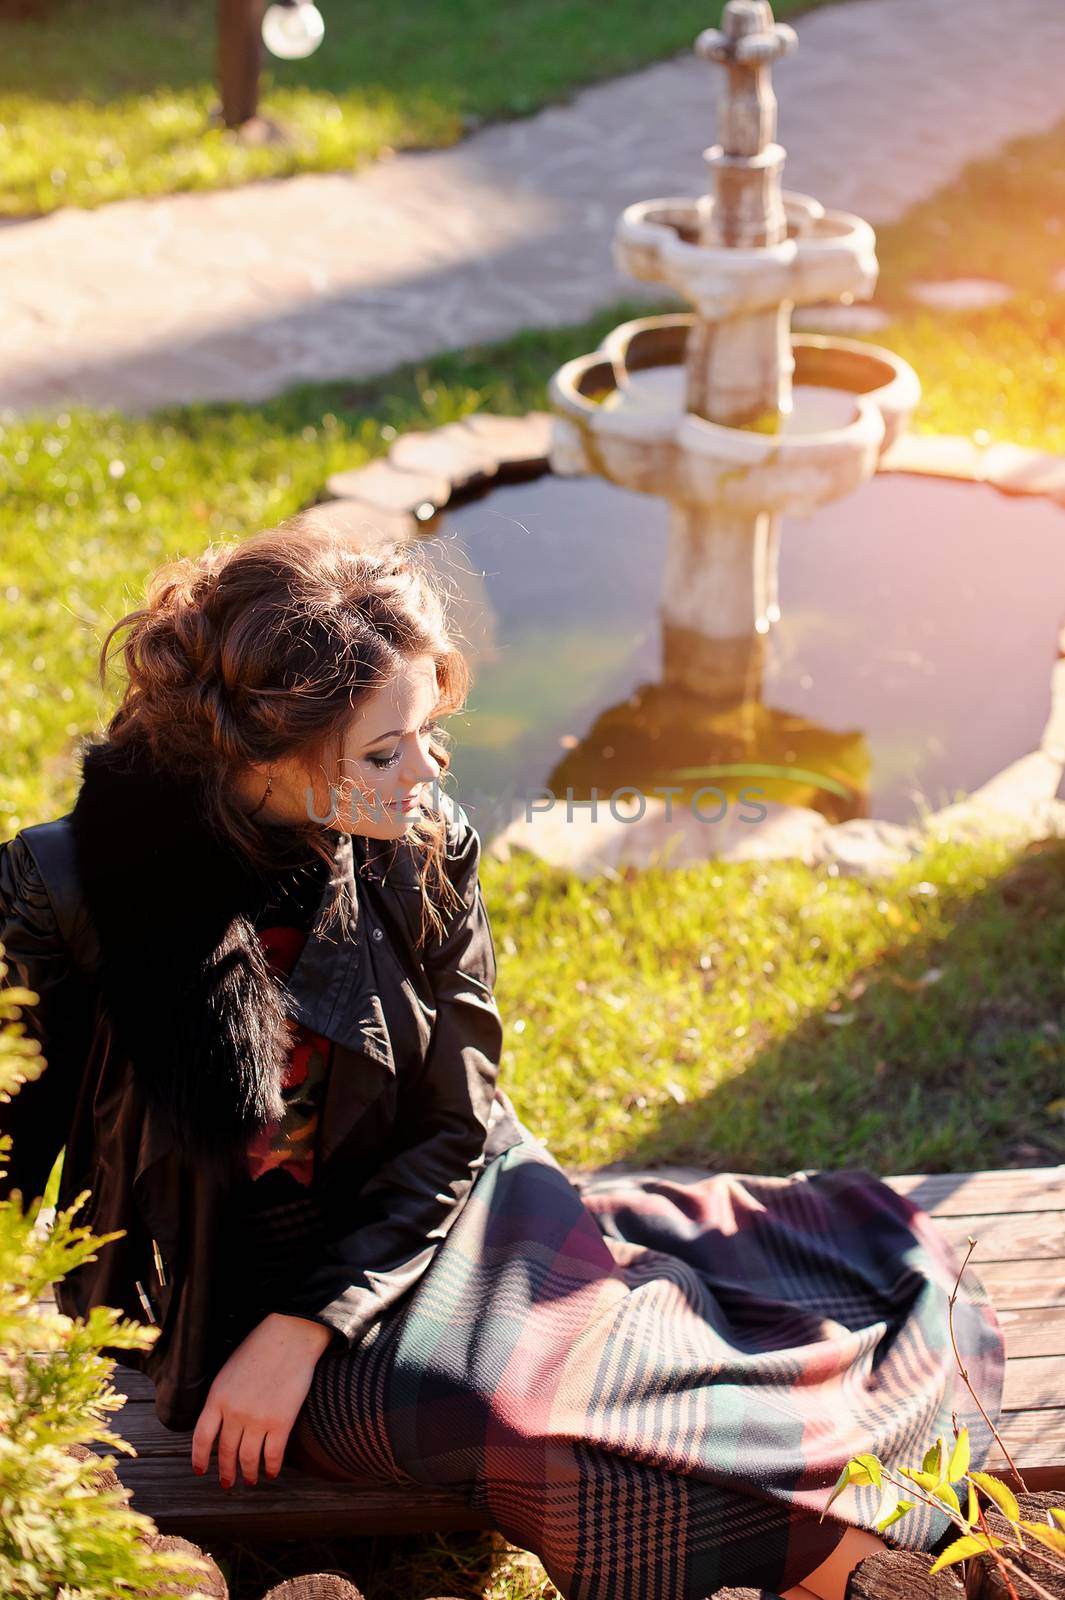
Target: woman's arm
x=37 y=958
x=393 y=1225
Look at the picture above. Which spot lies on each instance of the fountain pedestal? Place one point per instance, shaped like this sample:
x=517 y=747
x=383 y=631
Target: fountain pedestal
x=721 y=410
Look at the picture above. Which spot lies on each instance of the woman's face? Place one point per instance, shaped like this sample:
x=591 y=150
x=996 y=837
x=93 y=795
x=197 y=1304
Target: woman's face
x=385 y=762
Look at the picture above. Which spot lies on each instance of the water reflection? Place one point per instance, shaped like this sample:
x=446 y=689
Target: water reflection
x=911 y=662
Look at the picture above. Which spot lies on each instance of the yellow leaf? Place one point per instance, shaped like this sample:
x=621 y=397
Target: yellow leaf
x=959 y=1457
x=841 y=1483
x=944 y=1492
x=926 y=1480
x=973 y=1544
x=1053 y=1538
x=872 y=1467
x=899 y=1511
x=996 y=1490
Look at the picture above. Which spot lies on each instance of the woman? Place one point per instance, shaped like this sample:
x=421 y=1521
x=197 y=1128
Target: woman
x=265 y=973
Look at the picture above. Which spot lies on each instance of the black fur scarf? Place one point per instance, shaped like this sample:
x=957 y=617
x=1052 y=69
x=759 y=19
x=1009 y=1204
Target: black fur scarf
x=182 y=973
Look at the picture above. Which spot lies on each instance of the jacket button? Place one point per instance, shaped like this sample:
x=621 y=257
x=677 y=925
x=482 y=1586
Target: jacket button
x=378 y=933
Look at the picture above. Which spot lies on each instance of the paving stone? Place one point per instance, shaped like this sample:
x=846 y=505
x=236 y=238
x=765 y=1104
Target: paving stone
x=451 y=452
x=1018 y=802
x=516 y=442
x=1017 y=470
x=961 y=294
x=360 y=523
x=935 y=455
x=385 y=488
x=510 y=229
x=970 y=820
x=867 y=847
x=1053 y=741
x=608 y=843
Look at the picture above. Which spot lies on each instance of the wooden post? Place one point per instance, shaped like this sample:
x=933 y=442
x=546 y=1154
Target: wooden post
x=239 y=59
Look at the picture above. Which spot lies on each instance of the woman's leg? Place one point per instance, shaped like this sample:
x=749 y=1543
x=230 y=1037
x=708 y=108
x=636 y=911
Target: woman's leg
x=829 y=1580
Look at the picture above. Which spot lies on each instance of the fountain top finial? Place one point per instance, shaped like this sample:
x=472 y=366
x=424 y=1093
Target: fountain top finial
x=748 y=36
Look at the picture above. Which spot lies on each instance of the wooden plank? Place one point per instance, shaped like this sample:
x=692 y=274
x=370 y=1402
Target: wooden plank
x=294 y=1505
x=954 y=1194
x=297 y=1505
x=1034 y=1383
x=1036 y=1441
x=1016 y=1236
x=1036 y=1331
x=1013 y=1285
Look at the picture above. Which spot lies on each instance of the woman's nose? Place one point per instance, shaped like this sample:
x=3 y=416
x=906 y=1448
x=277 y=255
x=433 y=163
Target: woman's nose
x=420 y=769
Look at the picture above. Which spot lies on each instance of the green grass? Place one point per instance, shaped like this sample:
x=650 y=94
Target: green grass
x=764 y=1018
x=103 y=99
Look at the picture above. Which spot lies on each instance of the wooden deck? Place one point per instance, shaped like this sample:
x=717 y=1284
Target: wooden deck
x=1018 y=1218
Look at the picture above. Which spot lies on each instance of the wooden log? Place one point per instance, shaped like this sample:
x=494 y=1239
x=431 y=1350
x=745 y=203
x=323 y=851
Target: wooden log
x=315 y=1586
x=209 y=1583
x=106 y=1478
x=901 y=1575
x=745 y=1594
x=984 y=1580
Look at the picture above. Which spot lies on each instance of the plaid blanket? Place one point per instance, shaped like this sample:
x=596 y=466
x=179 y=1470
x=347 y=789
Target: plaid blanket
x=653 y=1385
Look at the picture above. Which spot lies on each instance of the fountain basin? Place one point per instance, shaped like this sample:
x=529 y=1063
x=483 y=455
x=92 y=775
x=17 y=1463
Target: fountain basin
x=827 y=255
x=619 y=412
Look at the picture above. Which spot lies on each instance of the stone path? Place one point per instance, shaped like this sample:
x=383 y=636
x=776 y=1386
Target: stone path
x=241 y=293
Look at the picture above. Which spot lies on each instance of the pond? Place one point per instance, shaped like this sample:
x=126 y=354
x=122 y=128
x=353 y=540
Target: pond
x=911 y=662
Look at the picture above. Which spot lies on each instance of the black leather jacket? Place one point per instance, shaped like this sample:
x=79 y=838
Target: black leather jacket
x=411 y=1112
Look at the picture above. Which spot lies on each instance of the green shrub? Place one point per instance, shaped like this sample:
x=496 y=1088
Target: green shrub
x=61 y=1536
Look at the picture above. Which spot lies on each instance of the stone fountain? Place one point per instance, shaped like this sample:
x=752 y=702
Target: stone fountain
x=722 y=410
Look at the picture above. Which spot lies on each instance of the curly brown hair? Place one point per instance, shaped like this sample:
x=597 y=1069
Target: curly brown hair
x=262 y=649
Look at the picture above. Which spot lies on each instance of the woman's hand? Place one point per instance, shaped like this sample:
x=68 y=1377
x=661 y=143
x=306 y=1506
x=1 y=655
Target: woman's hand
x=256 y=1396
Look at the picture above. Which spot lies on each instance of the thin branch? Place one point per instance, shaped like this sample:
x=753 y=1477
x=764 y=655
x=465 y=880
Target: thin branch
x=1004 y=1567
x=964 y=1373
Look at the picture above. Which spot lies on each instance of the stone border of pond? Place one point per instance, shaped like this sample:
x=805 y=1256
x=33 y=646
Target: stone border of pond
x=424 y=471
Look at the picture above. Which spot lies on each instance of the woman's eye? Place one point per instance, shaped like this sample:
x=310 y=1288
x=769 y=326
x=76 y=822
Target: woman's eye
x=390 y=761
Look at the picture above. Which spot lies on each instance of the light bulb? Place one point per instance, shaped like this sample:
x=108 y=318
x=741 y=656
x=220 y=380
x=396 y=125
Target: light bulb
x=293 y=30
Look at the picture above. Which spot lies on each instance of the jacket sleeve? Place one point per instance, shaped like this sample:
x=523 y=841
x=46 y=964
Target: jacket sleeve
x=401 y=1213
x=39 y=1114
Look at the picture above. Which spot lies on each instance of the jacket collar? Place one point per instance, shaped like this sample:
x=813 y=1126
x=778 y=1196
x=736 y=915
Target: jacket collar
x=338 y=997
x=182 y=973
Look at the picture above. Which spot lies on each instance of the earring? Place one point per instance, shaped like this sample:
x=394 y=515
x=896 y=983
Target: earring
x=266 y=796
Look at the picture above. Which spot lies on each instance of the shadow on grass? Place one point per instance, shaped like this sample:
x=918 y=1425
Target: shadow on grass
x=945 y=1056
